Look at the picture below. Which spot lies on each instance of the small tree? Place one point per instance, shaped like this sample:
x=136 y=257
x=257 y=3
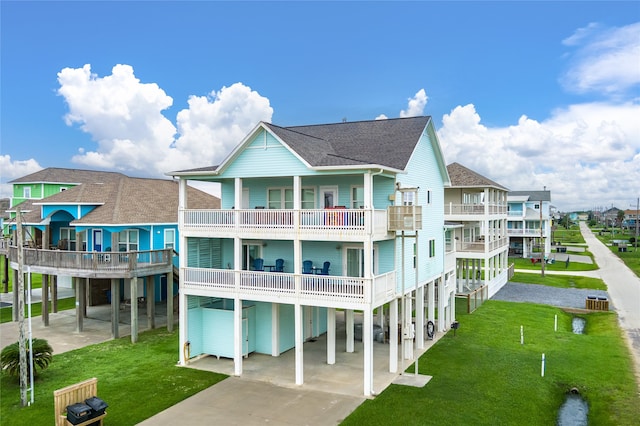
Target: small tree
x=10 y=357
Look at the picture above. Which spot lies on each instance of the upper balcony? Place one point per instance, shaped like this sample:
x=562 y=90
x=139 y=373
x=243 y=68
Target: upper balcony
x=126 y=264
x=317 y=290
x=523 y=232
x=322 y=225
x=481 y=246
x=454 y=211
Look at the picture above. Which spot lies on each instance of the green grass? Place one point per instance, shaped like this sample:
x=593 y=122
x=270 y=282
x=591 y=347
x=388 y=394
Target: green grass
x=562 y=281
x=631 y=257
x=521 y=263
x=568 y=236
x=484 y=376
x=136 y=380
x=6 y=314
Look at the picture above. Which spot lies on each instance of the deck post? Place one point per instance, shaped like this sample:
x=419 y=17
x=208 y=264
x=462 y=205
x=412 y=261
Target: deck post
x=133 y=284
x=151 y=305
x=349 y=325
x=79 y=285
x=367 y=339
x=45 y=300
x=275 y=329
x=393 y=336
x=170 y=301
x=237 y=336
x=299 y=342
x=420 y=318
x=54 y=294
x=115 y=308
x=331 y=336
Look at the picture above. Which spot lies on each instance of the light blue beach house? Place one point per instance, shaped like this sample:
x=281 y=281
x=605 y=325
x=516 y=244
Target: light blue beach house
x=316 y=223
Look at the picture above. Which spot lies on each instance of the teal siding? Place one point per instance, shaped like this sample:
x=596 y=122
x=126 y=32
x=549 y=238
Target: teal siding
x=265 y=156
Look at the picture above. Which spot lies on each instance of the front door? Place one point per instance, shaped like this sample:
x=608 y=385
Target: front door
x=97 y=240
x=329 y=196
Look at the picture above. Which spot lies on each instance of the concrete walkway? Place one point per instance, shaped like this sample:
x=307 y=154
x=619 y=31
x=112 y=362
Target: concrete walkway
x=624 y=290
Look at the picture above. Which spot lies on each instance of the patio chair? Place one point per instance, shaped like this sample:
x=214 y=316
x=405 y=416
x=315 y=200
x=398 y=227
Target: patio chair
x=279 y=267
x=325 y=268
x=306 y=267
x=258 y=264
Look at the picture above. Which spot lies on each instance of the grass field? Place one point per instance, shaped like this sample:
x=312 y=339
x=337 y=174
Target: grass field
x=484 y=376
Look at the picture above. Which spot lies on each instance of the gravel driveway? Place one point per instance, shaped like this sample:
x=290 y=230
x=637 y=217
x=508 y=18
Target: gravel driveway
x=542 y=294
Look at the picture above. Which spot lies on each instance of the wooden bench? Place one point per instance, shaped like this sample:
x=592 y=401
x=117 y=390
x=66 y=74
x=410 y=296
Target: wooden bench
x=73 y=394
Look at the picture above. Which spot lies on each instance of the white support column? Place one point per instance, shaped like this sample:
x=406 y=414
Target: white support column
x=299 y=358
x=367 y=339
x=183 y=326
x=420 y=318
x=393 y=336
x=331 y=336
x=237 y=195
x=431 y=300
x=407 y=339
x=349 y=325
x=237 y=336
x=441 y=299
x=275 y=329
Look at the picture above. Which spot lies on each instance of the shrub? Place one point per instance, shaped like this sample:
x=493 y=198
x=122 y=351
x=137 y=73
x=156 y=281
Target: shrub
x=10 y=357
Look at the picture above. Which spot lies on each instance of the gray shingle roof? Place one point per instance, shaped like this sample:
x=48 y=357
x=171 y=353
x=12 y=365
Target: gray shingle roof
x=533 y=195
x=464 y=177
x=69 y=176
x=388 y=143
x=125 y=201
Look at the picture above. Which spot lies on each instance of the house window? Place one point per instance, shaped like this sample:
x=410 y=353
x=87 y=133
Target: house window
x=280 y=198
x=128 y=240
x=308 y=198
x=26 y=192
x=67 y=239
x=536 y=206
x=408 y=198
x=357 y=197
x=169 y=238
x=432 y=248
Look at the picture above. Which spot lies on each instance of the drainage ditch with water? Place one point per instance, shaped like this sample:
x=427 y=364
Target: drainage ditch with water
x=575 y=410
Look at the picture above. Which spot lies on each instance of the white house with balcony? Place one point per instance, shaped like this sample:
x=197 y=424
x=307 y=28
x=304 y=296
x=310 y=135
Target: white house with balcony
x=478 y=206
x=316 y=219
x=529 y=223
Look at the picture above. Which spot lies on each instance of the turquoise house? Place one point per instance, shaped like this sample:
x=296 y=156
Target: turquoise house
x=318 y=222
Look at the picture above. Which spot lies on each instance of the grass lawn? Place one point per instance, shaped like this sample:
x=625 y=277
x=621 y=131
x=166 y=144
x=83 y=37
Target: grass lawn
x=521 y=263
x=484 y=376
x=631 y=257
x=6 y=314
x=562 y=281
x=568 y=236
x=136 y=380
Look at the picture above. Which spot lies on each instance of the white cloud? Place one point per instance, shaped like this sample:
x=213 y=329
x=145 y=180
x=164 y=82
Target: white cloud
x=124 y=117
x=416 y=105
x=587 y=155
x=13 y=170
x=606 y=60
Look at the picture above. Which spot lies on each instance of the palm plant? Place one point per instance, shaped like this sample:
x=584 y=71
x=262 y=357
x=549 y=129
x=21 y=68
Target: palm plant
x=10 y=357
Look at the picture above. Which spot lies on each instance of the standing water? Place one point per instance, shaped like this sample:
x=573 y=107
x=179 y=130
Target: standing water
x=574 y=411
x=578 y=325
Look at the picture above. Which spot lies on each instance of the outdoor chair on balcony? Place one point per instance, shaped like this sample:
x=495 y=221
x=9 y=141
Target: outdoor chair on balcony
x=279 y=266
x=307 y=267
x=325 y=269
x=258 y=264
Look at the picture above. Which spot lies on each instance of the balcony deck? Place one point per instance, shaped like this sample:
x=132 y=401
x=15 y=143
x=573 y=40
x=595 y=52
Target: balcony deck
x=453 y=211
x=313 y=290
x=322 y=225
x=94 y=264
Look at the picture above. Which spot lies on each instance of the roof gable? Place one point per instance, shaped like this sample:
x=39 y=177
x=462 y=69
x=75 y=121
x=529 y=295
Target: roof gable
x=463 y=177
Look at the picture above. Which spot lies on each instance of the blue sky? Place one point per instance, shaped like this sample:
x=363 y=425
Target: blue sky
x=529 y=94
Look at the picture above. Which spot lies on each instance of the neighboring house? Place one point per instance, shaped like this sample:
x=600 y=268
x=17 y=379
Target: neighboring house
x=630 y=221
x=610 y=217
x=115 y=239
x=529 y=223
x=316 y=219
x=479 y=206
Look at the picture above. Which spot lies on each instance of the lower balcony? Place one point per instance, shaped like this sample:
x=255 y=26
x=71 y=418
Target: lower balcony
x=306 y=289
x=481 y=246
x=94 y=264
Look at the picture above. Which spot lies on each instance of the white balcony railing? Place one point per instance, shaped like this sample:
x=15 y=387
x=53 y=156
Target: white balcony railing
x=317 y=289
x=474 y=209
x=350 y=222
x=523 y=232
x=481 y=246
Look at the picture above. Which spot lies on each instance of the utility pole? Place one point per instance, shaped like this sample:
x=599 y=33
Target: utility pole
x=542 y=246
x=21 y=337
